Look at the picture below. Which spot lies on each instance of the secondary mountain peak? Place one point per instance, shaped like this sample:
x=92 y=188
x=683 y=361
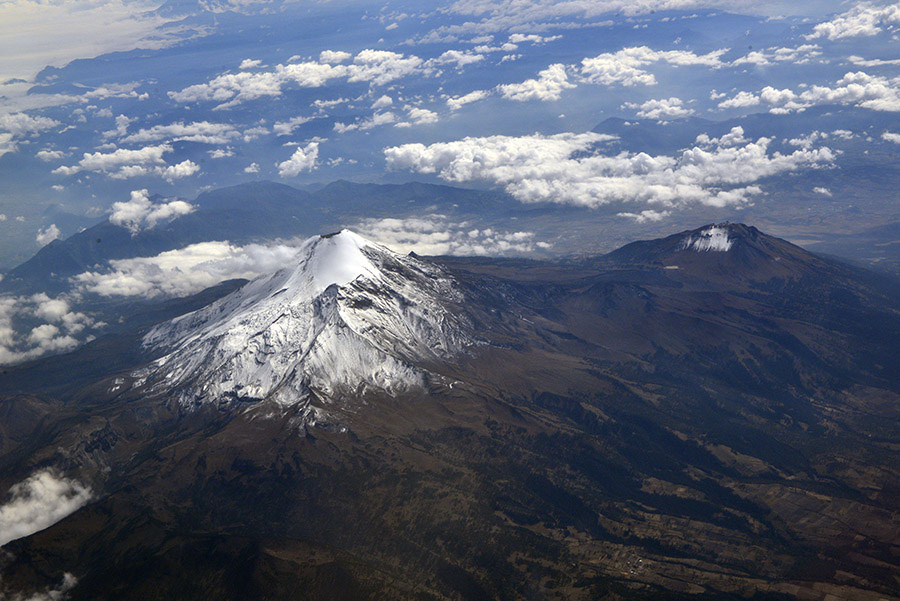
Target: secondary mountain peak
x=349 y=316
x=717 y=251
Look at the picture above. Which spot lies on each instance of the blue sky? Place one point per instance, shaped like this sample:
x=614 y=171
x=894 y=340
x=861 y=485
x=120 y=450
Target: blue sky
x=116 y=97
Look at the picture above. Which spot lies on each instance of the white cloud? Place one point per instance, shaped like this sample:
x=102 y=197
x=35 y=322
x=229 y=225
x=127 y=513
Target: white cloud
x=808 y=140
x=662 y=109
x=519 y=38
x=51 y=155
x=864 y=19
x=140 y=213
x=438 y=235
x=645 y=216
x=200 y=131
x=323 y=105
x=251 y=168
x=186 y=271
x=627 y=66
x=38 y=502
x=855 y=88
x=798 y=56
x=221 y=153
x=376 y=67
x=7 y=144
x=19 y=124
x=457 y=102
x=48 y=235
x=891 y=137
x=874 y=62
x=121 y=162
x=382 y=102
x=252 y=133
x=378 y=119
x=568 y=168
x=460 y=58
x=125 y=163
x=548 y=86
x=419 y=116
x=249 y=63
x=334 y=56
x=180 y=170
x=303 y=159
x=822 y=191
x=286 y=128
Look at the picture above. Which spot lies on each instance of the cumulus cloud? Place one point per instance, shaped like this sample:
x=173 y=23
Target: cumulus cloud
x=120 y=163
x=187 y=270
x=858 y=88
x=140 y=213
x=436 y=234
x=889 y=136
x=382 y=102
x=460 y=58
x=457 y=102
x=249 y=63
x=570 y=168
x=419 y=116
x=662 y=109
x=199 y=131
x=51 y=155
x=124 y=163
x=47 y=235
x=38 y=502
x=627 y=67
x=376 y=67
x=221 y=153
x=180 y=170
x=303 y=159
x=377 y=119
x=19 y=124
x=549 y=85
x=863 y=19
x=334 y=56
x=799 y=55
x=286 y=128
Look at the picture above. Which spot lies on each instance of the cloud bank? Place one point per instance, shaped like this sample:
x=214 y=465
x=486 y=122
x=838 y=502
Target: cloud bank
x=569 y=168
x=38 y=502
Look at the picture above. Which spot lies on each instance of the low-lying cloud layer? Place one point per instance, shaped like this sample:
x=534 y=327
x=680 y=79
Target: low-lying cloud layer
x=38 y=502
x=438 y=235
x=186 y=271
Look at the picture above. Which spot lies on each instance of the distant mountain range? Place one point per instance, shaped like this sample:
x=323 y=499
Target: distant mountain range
x=710 y=415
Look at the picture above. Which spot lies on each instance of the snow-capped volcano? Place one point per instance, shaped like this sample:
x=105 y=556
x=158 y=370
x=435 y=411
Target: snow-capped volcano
x=351 y=314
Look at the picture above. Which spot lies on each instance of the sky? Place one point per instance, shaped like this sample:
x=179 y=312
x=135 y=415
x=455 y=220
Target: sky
x=127 y=110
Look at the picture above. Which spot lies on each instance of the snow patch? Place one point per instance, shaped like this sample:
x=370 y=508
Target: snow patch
x=713 y=238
